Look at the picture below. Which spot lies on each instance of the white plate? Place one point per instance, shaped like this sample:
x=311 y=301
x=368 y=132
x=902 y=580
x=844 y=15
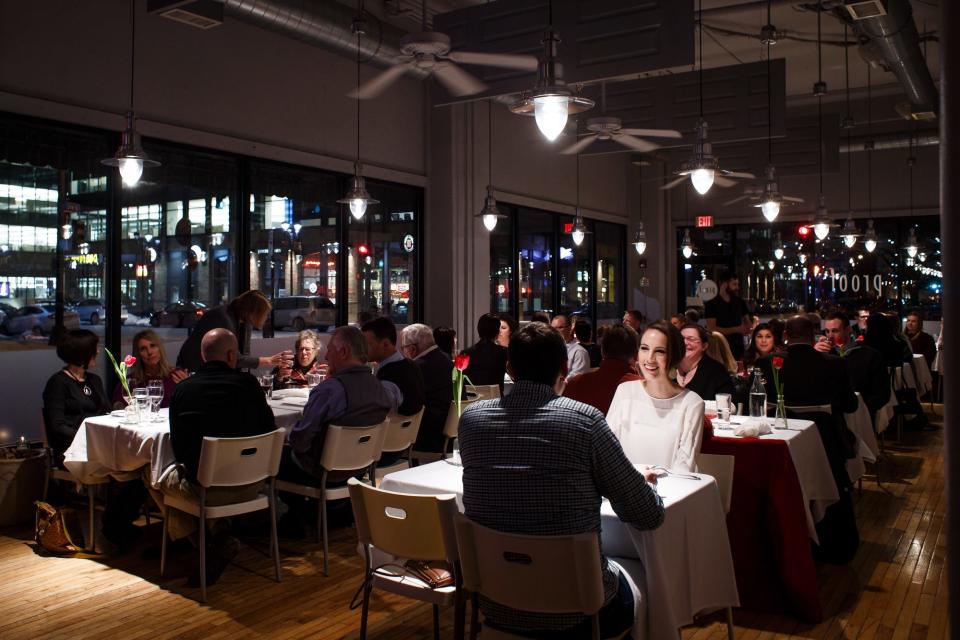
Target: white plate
x=118 y=413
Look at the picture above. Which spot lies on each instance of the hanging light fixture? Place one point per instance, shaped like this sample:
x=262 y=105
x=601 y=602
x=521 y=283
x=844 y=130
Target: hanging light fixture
x=551 y=102
x=579 y=230
x=821 y=224
x=358 y=198
x=686 y=245
x=912 y=243
x=850 y=231
x=770 y=207
x=911 y=246
x=704 y=173
x=490 y=212
x=130 y=158
x=640 y=240
x=803 y=258
x=870 y=237
x=778 y=246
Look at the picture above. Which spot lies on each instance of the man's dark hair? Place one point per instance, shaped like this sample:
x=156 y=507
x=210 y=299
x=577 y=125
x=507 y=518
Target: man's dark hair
x=382 y=327
x=540 y=316
x=636 y=315
x=916 y=314
x=365 y=316
x=538 y=353
x=488 y=326
x=676 y=349
x=77 y=347
x=727 y=275
x=692 y=316
x=444 y=337
x=839 y=315
x=583 y=330
x=703 y=333
x=800 y=328
x=620 y=342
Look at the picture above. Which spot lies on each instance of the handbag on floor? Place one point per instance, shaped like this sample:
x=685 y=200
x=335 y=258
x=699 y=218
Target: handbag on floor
x=58 y=529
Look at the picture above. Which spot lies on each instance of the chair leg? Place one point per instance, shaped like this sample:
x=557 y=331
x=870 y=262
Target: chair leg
x=730 y=633
x=595 y=621
x=367 y=589
x=203 y=553
x=92 y=546
x=274 y=540
x=474 y=616
x=163 y=543
x=323 y=533
x=459 y=613
x=436 y=622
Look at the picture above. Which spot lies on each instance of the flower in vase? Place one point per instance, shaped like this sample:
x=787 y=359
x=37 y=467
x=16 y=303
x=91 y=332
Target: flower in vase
x=461 y=362
x=778 y=362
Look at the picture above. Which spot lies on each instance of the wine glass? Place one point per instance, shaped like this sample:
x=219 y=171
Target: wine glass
x=142 y=398
x=266 y=383
x=155 y=390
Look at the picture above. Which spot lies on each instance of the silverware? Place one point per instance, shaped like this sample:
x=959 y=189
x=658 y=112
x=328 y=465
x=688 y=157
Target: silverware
x=688 y=476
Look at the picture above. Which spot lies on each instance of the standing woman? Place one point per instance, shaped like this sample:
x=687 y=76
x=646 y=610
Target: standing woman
x=240 y=316
x=656 y=420
x=151 y=364
x=73 y=393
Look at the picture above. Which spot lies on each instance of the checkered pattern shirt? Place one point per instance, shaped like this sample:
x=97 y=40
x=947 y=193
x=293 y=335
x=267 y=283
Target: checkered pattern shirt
x=538 y=464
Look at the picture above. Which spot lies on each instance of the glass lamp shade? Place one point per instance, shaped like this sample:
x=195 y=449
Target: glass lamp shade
x=130 y=158
x=870 y=244
x=911 y=250
x=912 y=243
x=770 y=209
x=702 y=180
x=778 y=253
x=821 y=230
x=803 y=258
x=640 y=241
x=686 y=250
x=850 y=241
x=490 y=213
x=358 y=197
x=130 y=170
x=489 y=221
x=551 y=114
x=870 y=237
x=358 y=207
x=640 y=247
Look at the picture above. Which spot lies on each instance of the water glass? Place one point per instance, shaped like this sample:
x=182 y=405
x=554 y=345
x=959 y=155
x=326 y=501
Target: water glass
x=155 y=390
x=313 y=379
x=266 y=383
x=723 y=407
x=141 y=397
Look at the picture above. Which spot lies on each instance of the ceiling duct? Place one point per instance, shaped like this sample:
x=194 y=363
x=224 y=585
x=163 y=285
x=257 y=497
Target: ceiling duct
x=893 y=34
x=890 y=141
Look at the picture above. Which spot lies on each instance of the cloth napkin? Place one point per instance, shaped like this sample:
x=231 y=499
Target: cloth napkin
x=279 y=394
x=752 y=428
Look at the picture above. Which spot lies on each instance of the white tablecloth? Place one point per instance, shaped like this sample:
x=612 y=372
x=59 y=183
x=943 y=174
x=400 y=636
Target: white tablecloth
x=924 y=379
x=886 y=413
x=817 y=485
x=682 y=568
x=867 y=448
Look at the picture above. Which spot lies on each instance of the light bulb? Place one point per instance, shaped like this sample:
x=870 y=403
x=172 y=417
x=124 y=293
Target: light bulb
x=640 y=247
x=577 y=235
x=778 y=253
x=490 y=221
x=686 y=250
x=770 y=209
x=551 y=115
x=870 y=244
x=912 y=250
x=821 y=230
x=358 y=207
x=803 y=258
x=702 y=180
x=849 y=240
x=130 y=170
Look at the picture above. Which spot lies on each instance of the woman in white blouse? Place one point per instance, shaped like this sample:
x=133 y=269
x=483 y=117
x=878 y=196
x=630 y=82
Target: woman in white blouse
x=657 y=421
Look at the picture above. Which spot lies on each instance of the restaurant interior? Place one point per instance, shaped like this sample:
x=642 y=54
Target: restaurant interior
x=592 y=165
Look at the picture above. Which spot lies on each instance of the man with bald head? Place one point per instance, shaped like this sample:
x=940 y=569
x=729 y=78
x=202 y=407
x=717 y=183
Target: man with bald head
x=218 y=401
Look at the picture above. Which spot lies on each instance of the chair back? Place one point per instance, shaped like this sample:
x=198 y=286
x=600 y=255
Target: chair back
x=542 y=574
x=810 y=408
x=231 y=462
x=452 y=425
x=721 y=468
x=483 y=392
x=401 y=431
x=352 y=448
x=405 y=525
x=43 y=427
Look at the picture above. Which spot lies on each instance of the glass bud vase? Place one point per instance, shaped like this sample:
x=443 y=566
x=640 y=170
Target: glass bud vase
x=780 y=418
x=131 y=413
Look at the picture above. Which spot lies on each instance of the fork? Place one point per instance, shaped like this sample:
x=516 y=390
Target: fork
x=688 y=476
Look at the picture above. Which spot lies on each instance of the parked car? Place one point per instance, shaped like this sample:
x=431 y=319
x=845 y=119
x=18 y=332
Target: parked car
x=92 y=310
x=179 y=314
x=6 y=310
x=38 y=318
x=300 y=312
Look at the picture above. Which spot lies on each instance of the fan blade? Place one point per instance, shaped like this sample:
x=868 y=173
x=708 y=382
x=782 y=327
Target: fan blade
x=722 y=181
x=791 y=199
x=739 y=174
x=673 y=183
x=457 y=81
x=579 y=146
x=503 y=60
x=634 y=143
x=378 y=83
x=653 y=133
x=735 y=200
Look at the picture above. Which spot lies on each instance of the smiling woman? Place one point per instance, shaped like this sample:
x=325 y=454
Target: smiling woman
x=151 y=364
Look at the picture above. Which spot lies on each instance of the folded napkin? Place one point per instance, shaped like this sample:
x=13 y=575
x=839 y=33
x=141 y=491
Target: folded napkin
x=752 y=428
x=297 y=401
x=280 y=394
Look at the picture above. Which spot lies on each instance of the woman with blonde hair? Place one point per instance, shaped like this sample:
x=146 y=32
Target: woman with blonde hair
x=719 y=349
x=151 y=364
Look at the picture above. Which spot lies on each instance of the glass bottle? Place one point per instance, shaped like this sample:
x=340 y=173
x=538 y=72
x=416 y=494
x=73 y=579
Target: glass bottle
x=758 y=396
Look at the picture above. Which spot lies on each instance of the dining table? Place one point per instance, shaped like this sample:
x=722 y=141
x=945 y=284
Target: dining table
x=868 y=450
x=678 y=570
x=782 y=486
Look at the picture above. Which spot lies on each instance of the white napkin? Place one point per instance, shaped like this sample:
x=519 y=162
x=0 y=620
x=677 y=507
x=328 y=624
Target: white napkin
x=297 y=401
x=752 y=428
x=280 y=394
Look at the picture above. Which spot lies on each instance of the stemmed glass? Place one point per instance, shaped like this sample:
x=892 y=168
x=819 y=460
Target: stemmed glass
x=155 y=390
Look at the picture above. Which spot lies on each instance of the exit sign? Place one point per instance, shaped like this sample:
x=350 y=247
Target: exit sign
x=704 y=221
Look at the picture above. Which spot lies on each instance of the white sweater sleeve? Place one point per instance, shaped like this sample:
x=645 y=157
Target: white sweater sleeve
x=685 y=458
x=618 y=413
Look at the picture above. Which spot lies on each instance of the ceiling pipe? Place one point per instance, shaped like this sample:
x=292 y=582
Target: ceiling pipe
x=889 y=141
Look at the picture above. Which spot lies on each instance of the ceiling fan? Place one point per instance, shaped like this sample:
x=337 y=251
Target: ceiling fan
x=429 y=51
x=768 y=196
x=703 y=169
x=611 y=128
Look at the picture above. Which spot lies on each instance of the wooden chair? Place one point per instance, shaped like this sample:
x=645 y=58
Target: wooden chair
x=721 y=468
x=230 y=462
x=542 y=574
x=412 y=527
x=353 y=449
x=401 y=433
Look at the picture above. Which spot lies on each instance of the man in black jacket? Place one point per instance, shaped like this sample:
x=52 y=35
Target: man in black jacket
x=488 y=360
x=416 y=343
x=864 y=364
x=699 y=372
x=381 y=336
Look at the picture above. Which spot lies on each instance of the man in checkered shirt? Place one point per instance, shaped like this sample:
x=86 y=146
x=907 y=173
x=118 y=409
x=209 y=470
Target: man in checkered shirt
x=535 y=463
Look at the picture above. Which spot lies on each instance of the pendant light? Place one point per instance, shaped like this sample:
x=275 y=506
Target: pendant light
x=821 y=223
x=911 y=246
x=704 y=174
x=778 y=246
x=130 y=158
x=686 y=244
x=640 y=237
x=850 y=231
x=551 y=102
x=579 y=230
x=870 y=237
x=770 y=206
x=490 y=212
x=358 y=198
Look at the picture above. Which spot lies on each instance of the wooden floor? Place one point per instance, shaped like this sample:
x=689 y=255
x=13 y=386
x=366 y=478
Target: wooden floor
x=895 y=588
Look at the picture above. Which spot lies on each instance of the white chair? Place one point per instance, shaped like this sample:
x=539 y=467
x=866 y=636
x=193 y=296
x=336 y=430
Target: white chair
x=483 y=392
x=401 y=433
x=721 y=468
x=230 y=462
x=406 y=526
x=542 y=574
x=353 y=449
x=450 y=430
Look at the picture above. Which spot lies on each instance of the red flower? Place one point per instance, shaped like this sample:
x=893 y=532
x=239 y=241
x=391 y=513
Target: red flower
x=461 y=362
x=129 y=361
x=860 y=338
x=777 y=362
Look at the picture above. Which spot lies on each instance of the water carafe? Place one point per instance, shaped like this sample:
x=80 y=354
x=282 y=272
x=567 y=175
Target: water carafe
x=758 y=396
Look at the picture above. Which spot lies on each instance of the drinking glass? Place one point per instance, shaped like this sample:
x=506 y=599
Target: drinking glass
x=313 y=379
x=155 y=389
x=266 y=383
x=723 y=407
x=141 y=396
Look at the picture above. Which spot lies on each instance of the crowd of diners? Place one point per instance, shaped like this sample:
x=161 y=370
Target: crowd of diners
x=589 y=413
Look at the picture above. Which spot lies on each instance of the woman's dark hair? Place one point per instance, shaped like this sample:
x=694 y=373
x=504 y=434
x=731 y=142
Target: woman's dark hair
x=583 y=330
x=444 y=337
x=78 y=347
x=538 y=353
x=250 y=304
x=675 y=347
x=540 y=316
x=488 y=326
x=511 y=322
x=703 y=333
x=751 y=354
